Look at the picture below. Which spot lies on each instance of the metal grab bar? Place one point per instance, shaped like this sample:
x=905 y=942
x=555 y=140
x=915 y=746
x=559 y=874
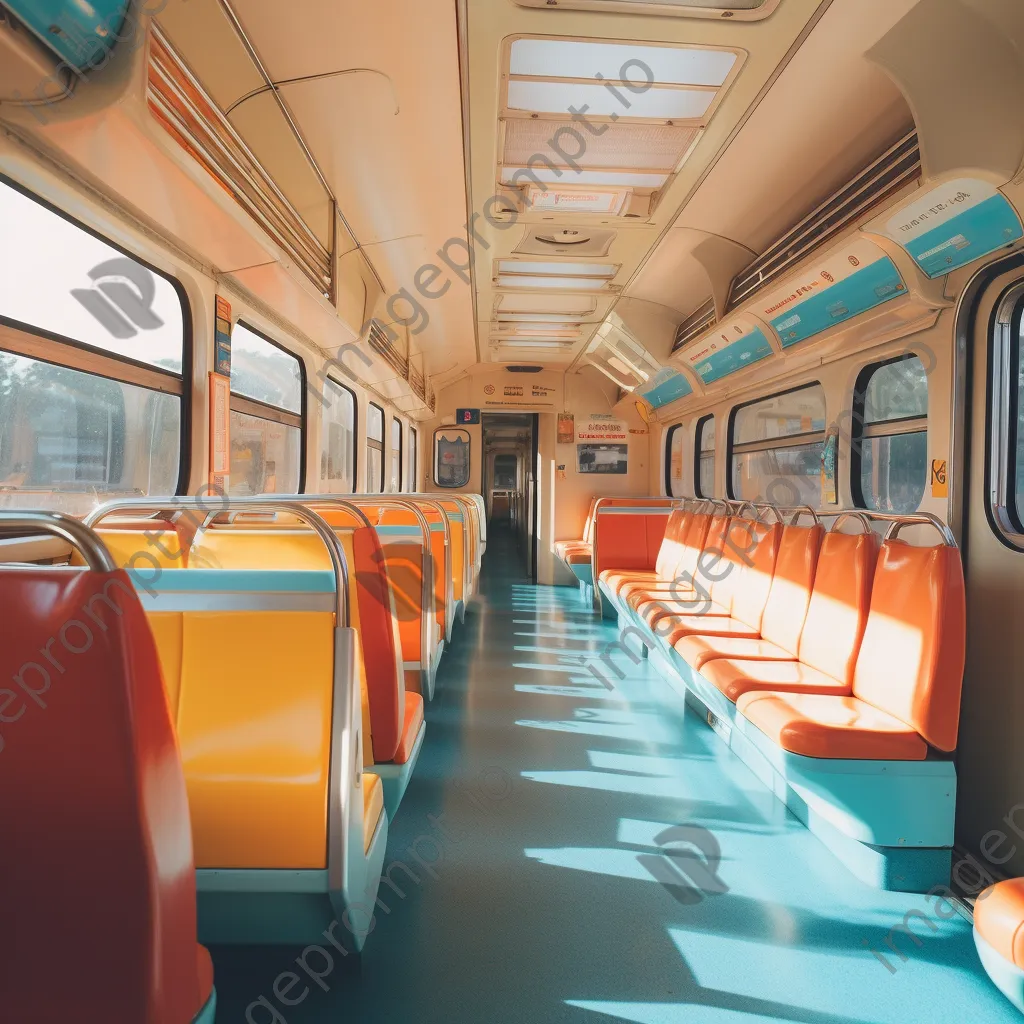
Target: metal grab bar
x=284 y=503
x=897 y=522
x=78 y=534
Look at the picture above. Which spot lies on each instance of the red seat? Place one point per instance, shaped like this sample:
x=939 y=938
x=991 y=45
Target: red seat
x=97 y=844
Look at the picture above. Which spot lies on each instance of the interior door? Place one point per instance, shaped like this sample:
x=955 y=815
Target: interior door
x=988 y=409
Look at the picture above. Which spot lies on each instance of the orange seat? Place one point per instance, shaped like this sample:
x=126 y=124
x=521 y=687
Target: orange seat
x=908 y=673
x=816 y=725
x=999 y=919
x=829 y=636
x=411 y=725
x=784 y=614
x=734 y=677
x=94 y=810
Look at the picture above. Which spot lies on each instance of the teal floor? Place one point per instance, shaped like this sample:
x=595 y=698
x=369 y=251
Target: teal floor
x=546 y=868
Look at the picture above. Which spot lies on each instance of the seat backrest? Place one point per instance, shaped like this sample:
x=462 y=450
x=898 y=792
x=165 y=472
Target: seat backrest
x=694 y=539
x=838 y=608
x=790 y=593
x=629 y=536
x=756 y=570
x=708 y=572
x=671 y=549
x=588 y=526
x=97 y=846
x=911 y=661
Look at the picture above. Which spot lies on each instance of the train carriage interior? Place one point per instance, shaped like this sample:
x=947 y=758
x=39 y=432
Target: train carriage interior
x=511 y=510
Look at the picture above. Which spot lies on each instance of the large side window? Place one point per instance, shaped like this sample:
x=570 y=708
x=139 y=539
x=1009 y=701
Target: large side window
x=374 y=449
x=776 y=445
x=338 y=439
x=94 y=344
x=396 y=454
x=674 y=460
x=413 y=454
x=267 y=404
x=704 y=458
x=889 y=464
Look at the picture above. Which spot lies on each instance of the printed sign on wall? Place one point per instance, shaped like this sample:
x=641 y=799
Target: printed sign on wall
x=566 y=427
x=602 y=458
x=220 y=432
x=953 y=224
x=849 y=282
x=601 y=428
x=666 y=386
x=222 y=338
x=728 y=348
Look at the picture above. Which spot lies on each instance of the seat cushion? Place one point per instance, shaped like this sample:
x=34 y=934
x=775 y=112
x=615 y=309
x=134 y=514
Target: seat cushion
x=577 y=556
x=373 y=807
x=697 y=651
x=634 y=594
x=410 y=727
x=999 y=919
x=655 y=609
x=673 y=628
x=737 y=677
x=616 y=579
x=817 y=725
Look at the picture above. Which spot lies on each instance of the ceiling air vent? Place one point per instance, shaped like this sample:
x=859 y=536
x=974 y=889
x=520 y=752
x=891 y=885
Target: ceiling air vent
x=384 y=342
x=888 y=174
x=551 y=240
x=695 y=324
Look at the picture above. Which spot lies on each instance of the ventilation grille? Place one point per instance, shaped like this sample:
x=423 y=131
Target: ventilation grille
x=381 y=343
x=879 y=181
x=181 y=104
x=695 y=325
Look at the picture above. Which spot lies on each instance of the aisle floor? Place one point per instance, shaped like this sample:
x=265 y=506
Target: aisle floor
x=540 y=869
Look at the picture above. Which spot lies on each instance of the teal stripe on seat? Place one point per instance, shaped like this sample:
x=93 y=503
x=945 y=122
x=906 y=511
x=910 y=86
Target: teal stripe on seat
x=201 y=581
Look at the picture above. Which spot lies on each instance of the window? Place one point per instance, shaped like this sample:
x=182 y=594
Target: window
x=93 y=344
x=338 y=440
x=674 y=461
x=396 y=455
x=776 y=445
x=1006 y=412
x=451 y=457
x=889 y=464
x=267 y=400
x=704 y=477
x=413 y=452
x=374 y=449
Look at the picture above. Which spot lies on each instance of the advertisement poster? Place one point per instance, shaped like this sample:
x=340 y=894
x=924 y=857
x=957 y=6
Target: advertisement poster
x=602 y=458
x=566 y=427
x=731 y=347
x=601 y=428
x=222 y=338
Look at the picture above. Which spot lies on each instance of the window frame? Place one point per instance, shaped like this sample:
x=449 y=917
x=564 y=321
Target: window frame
x=863 y=431
x=414 y=451
x=670 y=435
x=396 y=422
x=85 y=358
x=800 y=440
x=355 y=429
x=1004 y=360
x=697 y=453
x=263 y=410
x=377 y=445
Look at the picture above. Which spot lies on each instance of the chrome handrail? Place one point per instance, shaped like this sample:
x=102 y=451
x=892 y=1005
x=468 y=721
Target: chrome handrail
x=78 y=534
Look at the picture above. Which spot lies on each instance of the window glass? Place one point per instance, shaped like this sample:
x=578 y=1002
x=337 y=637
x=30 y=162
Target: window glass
x=266 y=456
x=396 y=455
x=374 y=449
x=705 y=482
x=62 y=279
x=890 y=443
x=69 y=440
x=413 y=441
x=451 y=457
x=674 y=440
x=264 y=372
x=338 y=439
x=777 y=445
